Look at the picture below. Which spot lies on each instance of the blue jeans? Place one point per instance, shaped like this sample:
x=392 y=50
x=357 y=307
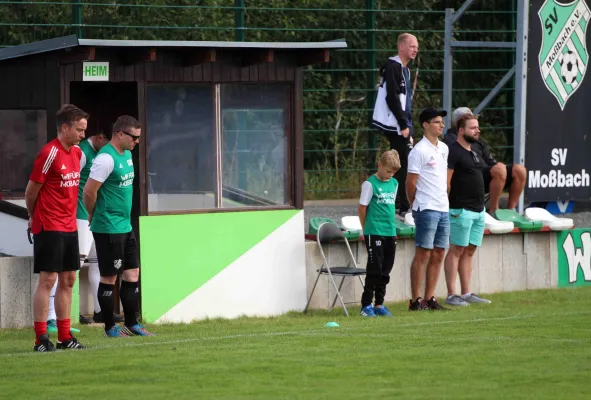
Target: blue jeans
x=432 y=229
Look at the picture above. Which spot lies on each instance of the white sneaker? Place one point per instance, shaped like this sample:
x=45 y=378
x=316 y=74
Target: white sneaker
x=455 y=300
x=472 y=298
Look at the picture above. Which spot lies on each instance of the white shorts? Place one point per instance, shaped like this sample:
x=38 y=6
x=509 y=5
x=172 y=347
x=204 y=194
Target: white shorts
x=85 y=240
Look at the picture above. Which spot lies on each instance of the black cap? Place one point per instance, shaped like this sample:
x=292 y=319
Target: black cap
x=430 y=113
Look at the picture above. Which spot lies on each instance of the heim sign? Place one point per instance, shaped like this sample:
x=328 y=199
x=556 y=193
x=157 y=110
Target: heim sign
x=95 y=71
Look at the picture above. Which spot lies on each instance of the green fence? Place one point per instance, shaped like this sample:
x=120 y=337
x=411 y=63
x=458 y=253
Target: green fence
x=340 y=147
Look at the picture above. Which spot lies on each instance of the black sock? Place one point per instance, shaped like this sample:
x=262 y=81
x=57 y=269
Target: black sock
x=105 y=299
x=130 y=294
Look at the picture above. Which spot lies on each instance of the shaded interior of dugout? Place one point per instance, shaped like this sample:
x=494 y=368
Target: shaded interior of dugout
x=222 y=121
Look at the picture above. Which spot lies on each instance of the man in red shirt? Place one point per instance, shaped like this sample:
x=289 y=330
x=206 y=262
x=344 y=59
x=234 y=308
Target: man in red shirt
x=52 y=198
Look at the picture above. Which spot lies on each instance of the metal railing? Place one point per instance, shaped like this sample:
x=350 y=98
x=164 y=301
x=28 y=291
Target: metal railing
x=340 y=147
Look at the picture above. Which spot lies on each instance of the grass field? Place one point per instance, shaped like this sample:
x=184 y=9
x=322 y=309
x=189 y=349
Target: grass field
x=526 y=345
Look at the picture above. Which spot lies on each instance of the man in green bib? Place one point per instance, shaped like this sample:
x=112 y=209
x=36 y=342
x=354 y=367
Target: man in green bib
x=90 y=148
x=108 y=200
x=377 y=214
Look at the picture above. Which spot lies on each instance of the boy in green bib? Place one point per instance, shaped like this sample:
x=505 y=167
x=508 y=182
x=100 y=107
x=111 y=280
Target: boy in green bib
x=377 y=214
x=108 y=198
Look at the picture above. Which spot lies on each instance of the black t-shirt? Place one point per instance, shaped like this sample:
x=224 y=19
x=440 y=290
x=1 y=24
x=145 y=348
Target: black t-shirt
x=485 y=159
x=467 y=183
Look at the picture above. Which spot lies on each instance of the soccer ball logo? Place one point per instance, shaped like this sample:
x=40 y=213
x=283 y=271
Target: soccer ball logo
x=569 y=67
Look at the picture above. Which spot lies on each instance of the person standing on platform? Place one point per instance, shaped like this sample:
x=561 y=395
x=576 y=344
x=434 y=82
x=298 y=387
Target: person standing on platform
x=393 y=109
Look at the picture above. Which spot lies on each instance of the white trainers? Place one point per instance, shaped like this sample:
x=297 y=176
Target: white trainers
x=455 y=300
x=473 y=298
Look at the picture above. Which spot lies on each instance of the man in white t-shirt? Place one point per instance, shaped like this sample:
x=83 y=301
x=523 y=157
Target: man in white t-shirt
x=426 y=188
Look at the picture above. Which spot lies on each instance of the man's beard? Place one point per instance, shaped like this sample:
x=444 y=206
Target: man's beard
x=470 y=139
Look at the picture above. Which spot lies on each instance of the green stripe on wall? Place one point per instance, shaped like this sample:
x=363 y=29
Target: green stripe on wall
x=180 y=253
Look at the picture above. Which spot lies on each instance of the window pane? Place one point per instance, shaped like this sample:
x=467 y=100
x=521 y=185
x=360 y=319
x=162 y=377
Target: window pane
x=255 y=145
x=22 y=134
x=181 y=147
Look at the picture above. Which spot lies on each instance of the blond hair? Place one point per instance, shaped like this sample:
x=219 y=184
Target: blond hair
x=390 y=158
x=403 y=37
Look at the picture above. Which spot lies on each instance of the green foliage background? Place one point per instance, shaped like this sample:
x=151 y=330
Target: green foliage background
x=338 y=101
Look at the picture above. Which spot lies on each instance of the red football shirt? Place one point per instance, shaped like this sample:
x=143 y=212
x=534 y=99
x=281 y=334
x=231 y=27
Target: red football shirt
x=59 y=172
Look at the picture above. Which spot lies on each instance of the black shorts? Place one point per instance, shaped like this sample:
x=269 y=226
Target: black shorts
x=488 y=178
x=116 y=252
x=56 y=251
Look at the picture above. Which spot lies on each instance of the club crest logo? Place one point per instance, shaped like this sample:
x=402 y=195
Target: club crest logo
x=563 y=55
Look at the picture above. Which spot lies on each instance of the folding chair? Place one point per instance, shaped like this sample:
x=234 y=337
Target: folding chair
x=330 y=233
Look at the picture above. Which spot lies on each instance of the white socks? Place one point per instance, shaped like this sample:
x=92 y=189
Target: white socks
x=94 y=278
x=51 y=312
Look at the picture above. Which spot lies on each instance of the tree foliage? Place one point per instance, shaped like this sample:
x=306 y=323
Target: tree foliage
x=338 y=96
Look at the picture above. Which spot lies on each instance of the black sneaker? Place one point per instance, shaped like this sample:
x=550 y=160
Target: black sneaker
x=418 y=305
x=44 y=344
x=71 y=344
x=433 y=304
x=98 y=318
x=85 y=320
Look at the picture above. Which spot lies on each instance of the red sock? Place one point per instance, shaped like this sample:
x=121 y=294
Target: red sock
x=40 y=329
x=63 y=330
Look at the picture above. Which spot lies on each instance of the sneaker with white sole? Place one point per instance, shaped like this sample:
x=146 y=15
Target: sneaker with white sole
x=136 y=330
x=382 y=311
x=455 y=300
x=473 y=298
x=71 y=343
x=44 y=344
x=115 y=332
x=367 y=311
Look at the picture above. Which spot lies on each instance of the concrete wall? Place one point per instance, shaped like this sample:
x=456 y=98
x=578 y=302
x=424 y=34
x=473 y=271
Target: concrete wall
x=504 y=263
x=17 y=286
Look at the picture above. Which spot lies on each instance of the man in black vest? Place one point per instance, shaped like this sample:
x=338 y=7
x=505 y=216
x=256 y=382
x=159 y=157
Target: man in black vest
x=392 y=112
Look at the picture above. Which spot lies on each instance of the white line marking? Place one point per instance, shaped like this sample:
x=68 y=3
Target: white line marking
x=466 y=338
x=294 y=333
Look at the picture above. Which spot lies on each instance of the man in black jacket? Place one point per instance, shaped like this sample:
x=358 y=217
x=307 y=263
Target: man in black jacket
x=392 y=112
x=497 y=176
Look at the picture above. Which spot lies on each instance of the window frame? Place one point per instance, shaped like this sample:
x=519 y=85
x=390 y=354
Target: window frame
x=41 y=141
x=289 y=128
